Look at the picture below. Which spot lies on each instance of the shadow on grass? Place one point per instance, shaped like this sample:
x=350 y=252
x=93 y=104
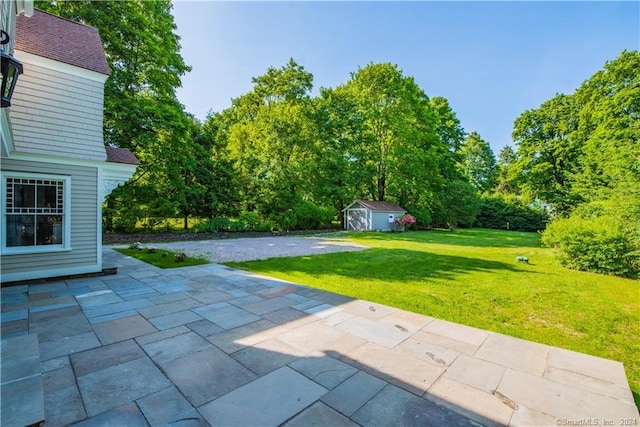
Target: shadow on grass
x=461 y=237
x=381 y=264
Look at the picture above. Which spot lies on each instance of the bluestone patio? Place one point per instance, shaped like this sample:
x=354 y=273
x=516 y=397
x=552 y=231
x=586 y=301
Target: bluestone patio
x=210 y=345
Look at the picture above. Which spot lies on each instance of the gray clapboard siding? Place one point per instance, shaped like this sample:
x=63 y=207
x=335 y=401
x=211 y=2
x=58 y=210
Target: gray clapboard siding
x=84 y=222
x=52 y=112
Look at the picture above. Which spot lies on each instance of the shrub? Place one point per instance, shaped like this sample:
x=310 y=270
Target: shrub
x=252 y=220
x=126 y=222
x=213 y=225
x=304 y=215
x=601 y=244
x=405 y=221
x=508 y=212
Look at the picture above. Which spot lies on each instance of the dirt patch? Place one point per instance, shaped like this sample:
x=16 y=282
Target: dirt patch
x=255 y=248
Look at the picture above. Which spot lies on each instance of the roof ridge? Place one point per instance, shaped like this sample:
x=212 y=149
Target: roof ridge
x=66 y=19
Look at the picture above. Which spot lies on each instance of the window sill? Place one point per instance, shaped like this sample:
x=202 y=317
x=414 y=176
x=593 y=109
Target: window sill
x=34 y=250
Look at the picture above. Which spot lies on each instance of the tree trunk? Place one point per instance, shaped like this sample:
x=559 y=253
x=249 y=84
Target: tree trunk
x=186 y=222
x=382 y=184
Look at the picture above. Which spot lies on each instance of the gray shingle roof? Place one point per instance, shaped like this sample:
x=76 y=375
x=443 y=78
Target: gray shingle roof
x=56 y=38
x=121 y=155
x=378 y=206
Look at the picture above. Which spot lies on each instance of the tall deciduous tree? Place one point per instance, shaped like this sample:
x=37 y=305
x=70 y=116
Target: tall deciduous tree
x=398 y=143
x=548 y=152
x=609 y=128
x=449 y=128
x=506 y=178
x=142 y=113
x=478 y=162
x=270 y=139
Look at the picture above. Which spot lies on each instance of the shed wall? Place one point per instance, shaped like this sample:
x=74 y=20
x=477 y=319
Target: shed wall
x=380 y=221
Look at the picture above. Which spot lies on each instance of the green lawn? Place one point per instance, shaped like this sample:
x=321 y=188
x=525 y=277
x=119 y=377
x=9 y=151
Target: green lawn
x=472 y=277
x=162 y=258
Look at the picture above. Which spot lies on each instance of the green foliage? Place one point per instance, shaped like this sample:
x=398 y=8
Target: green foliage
x=177 y=174
x=478 y=162
x=580 y=153
x=459 y=206
x=499 y=211
x=609 y=128
x=252 y=220
x=298 y=160
x=601 y=244
x=304 y=215
x=448 y=126
x=548 y=152
x=397 y=143
x=506 y=176
x=214 y=225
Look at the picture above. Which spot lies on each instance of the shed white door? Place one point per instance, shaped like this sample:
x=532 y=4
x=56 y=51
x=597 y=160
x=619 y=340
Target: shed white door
x=357 y=219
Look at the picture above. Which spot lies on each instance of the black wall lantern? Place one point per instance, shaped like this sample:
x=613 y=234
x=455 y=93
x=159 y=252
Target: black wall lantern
x=11 y=68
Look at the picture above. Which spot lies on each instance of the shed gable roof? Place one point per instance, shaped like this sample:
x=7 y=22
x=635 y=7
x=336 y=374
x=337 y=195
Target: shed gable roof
x=378 y=206
x=61 y=40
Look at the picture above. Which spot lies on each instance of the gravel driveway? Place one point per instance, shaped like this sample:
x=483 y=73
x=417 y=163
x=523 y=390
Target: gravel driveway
x=248 y=249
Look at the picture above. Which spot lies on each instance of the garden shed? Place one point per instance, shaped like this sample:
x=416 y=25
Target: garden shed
x=369 y=215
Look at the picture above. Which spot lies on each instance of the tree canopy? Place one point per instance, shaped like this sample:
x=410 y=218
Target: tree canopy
x=580 y=154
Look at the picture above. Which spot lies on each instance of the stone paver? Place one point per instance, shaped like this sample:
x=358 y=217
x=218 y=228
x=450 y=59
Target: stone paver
x=326 y=371
x=554 y=398
x=226 y=315
x=165 y=406
x=476 y=373
x=394 y=406
x=377 y=332
x=105 y=357
x=114 y=386
x=352 y=394
x=484 y=408
x=320 y=415
x=206 y=375
x=63 y=403
x=21 y=385
x=514 y=353
x=126 y=415
x=123 y=329
x=397 y=367
x=172 y=320
x=268 y=401
x=177 y=346
x=210 y=345
x=68 y=345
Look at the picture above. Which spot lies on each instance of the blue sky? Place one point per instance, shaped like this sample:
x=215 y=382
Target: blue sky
x=491 y=60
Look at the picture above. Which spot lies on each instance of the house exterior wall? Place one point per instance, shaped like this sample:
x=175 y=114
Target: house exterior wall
x=56 y=106
x=85 y=234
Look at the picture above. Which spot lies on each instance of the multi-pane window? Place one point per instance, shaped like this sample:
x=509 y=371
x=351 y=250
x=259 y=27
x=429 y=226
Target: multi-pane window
x=35 y=212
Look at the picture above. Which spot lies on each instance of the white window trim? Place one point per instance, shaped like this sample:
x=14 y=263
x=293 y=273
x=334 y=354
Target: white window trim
x=15 y=250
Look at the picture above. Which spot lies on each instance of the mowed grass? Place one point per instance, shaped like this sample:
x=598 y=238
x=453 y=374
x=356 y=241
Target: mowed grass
x=162 y=258
x=472 y=277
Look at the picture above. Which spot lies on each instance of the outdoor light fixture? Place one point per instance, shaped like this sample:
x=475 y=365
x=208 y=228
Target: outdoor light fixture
x=11 y=68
